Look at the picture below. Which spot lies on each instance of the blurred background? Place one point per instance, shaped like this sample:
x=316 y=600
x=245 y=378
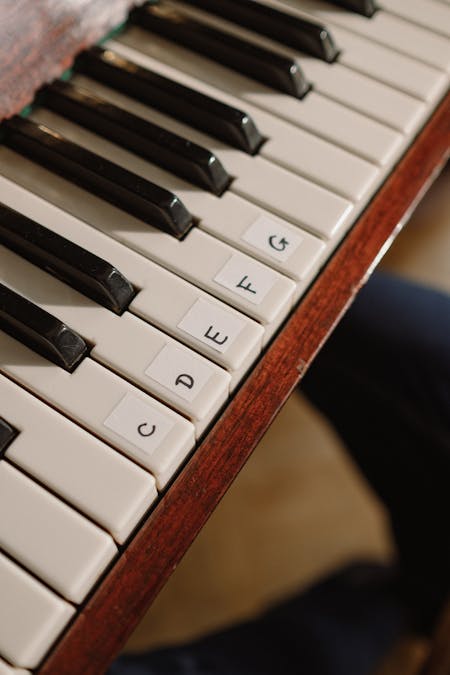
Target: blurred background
x=299 y=509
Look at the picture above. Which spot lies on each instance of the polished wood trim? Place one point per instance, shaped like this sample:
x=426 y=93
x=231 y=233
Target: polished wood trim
x=143 y=568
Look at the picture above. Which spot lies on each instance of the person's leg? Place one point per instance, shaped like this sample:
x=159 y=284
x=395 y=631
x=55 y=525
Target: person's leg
x=343 y=625
x=383 y=380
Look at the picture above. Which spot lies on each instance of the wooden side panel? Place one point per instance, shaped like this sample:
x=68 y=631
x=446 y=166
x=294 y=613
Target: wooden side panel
x=39 y=38
x=125 y=594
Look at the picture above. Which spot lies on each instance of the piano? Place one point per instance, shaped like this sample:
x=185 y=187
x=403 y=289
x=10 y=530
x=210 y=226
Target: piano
x=187 y=208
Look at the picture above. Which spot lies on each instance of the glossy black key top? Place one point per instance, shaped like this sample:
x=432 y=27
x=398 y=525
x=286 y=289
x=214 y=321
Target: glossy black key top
x=364 y=7
x=174 y=153
x=7 y=435
x=40 y=331
x=81 y=269
x=222 y=121
x=264 y=65
x=302 y=34
x=134 y=194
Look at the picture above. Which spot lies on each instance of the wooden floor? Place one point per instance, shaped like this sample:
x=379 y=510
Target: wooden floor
x=299 y=508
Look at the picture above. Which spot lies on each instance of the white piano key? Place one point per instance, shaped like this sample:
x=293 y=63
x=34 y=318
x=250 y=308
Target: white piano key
x=46 y=536
x=177 y=299
x=88 y=474
x=374 y=99
x=383 y=64
x=330 y=120
x=261 y=234
x=384 y=28
x=290 y=197
x=90 y=394
x=108 y=333
x=6 y=669
x=291 y=147
x=426 y=13
x=163 y=298
x=31 y=616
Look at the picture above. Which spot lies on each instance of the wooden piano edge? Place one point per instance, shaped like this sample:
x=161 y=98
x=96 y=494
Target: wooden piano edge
x=122 y=598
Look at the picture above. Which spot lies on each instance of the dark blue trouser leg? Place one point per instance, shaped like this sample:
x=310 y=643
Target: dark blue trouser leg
x=341 y=626
x=383 y=380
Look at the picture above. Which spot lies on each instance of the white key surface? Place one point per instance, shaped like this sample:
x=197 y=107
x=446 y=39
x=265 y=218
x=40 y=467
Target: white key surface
x=85 y=472
x=426 y=13
x=46 y=536
x=31 y=616
x=402 y=72
x=359 y=92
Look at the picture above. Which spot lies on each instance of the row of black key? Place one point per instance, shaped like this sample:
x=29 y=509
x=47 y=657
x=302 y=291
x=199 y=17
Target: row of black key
x=258 y=63
x=202 y=112
x=303 y=32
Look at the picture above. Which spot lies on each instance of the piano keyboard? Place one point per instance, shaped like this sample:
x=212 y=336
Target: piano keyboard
x=161 y=214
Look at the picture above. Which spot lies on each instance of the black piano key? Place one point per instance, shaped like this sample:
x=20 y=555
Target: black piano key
x=81 y=269
x=307 y=36
x=222 y=121
x=40 y=331
x=7 y=435
x=181 y=157
x=134 y=194
x=364 y=7
x=266 y=66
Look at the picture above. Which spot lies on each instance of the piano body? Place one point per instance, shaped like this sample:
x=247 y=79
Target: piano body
x=235 y=238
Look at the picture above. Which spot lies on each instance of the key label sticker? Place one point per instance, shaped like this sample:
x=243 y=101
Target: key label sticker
x=180 y=371
x=273 y=238
x=139 y=423
x=247 y=278
x=212 y=325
